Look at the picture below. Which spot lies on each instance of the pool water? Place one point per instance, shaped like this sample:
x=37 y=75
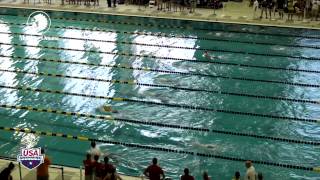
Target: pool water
x=237 y=51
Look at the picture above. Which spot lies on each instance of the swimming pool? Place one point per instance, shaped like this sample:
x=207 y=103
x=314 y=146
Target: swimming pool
x=257 y=99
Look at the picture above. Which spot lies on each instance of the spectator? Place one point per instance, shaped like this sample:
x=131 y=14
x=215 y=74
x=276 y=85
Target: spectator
x=159 y=4
x=109 y=5
x=264 y=5
x=186 y=175
x=299 y=9
x=97 y=168
x=255 y=8
x=290 y=10
x=236 y=176
x=6 y=172
x=206 y=176
x=153 y=172
x=270 y=6
x=280 y=7
x=251 y=172
x=43 y=169
x=112 y=175
x=315 y=10
x=260 y=177
x=107 y=167
x=94 y=150
x=193 y=5
x=88 y=168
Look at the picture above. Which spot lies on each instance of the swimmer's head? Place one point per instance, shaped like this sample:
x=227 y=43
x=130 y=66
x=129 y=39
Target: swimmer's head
x=107 y=108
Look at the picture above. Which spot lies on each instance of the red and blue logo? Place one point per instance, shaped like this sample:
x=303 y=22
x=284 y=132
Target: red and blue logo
x=30 y=157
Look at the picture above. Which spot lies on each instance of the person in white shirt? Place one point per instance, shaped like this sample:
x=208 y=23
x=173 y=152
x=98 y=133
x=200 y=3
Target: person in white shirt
x=251 y=172
x=94 y=150
x=255 y=8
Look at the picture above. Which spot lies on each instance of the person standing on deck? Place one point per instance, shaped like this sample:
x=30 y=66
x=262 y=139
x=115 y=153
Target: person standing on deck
x=154 y=172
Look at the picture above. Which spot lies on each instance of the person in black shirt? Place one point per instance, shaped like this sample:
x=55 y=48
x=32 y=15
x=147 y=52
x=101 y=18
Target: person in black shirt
x=264 y=4
x=280 y=7
x=6 y=173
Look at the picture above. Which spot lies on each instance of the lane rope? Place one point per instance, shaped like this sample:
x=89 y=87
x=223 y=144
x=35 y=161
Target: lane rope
x=155 y=148
x=133 y=82
x=191 y=128
x=172 y=36
x=185 y=73
x=190 y=60
x=176 y=47
x=176 y=27
x=174 y=105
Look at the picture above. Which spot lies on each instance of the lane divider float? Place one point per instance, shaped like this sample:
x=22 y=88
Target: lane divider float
x=185 y=73
x=177 y=47
x=191 y=128
x=161 y=149
x=174 y=105
x=133 y=82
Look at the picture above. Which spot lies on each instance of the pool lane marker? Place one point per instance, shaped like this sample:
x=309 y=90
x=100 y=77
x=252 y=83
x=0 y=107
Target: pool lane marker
x=185 y=73
x=159 y=70
x=162 y=149
x=191 y=128
x=174 y=59
x=176 y=27
x=173 y=105
x=132 y=82
x=175 y=47
x=171 y=36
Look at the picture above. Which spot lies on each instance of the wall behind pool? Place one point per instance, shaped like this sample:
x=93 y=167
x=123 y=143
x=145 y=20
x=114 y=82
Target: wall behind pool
x=164 y=22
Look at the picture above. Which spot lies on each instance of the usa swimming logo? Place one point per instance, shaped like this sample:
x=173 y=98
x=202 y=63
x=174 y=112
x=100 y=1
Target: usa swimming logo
x=30 y=157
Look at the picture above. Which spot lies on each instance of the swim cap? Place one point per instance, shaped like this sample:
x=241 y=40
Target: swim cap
x=107 y=108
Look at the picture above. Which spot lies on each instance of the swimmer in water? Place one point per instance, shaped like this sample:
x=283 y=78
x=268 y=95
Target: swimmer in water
x=209 y=147
x=207 y=55
x=108 y=108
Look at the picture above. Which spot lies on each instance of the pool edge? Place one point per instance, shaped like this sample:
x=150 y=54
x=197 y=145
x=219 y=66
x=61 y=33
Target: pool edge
x=155 y=17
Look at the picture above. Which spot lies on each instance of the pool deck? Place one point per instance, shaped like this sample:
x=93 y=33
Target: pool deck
x=55 y=174
x=233 y=12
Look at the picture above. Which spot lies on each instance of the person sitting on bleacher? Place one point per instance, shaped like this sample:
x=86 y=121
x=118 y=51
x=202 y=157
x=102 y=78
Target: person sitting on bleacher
x=6 y=172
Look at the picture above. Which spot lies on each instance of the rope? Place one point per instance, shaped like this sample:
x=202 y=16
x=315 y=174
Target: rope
x=162 y=149
x=186 y=73
x=174 y=36
x=164 y=86
x=172 y=126
x=177 y=47
x=183 y=106
x=187 y=60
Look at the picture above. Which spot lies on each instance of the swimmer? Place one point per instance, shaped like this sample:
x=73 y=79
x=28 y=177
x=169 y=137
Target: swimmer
x=108 y=108
x=207 y=55
x=210 y=147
